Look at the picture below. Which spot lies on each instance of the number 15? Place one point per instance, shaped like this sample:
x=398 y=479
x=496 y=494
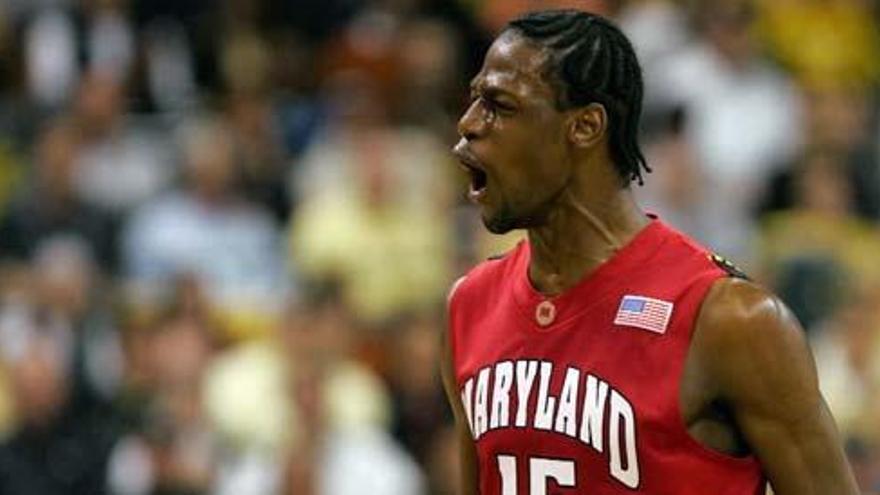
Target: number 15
x=540 y=472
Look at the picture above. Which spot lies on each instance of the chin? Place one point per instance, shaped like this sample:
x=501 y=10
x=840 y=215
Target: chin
x=501 y=223
x=497 y=228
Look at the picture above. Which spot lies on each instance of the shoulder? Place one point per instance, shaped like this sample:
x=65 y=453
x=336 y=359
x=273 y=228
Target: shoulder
x=736 y=308
x=749 y=344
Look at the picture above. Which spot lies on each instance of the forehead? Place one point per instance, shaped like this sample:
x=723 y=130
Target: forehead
x=515 y=65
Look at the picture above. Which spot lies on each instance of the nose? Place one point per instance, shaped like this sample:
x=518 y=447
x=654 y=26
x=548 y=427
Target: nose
x=472 y=123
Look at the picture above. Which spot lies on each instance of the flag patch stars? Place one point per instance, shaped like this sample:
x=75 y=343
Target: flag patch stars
x=644 y=312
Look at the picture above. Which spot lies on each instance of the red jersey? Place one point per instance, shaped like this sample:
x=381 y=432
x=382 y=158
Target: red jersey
x=579 y=393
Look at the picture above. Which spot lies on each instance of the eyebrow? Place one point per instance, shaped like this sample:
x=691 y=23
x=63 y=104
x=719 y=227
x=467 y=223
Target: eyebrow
x=490 y=90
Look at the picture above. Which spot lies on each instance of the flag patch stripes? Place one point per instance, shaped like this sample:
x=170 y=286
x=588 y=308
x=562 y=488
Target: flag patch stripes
x=644 y=312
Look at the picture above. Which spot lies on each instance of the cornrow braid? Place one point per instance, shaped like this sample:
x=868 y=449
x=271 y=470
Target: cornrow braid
x=592 y=61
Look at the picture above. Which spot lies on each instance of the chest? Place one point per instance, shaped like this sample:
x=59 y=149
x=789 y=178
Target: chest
x=601 y=337
x=514 y=372
x=586 y=387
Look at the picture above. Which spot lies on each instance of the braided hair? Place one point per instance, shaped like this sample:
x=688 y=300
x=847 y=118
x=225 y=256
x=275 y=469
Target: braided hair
x=592 y=61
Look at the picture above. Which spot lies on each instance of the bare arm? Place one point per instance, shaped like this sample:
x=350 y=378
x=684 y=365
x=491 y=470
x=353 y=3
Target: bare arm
x=756 y=358
x=468 y=454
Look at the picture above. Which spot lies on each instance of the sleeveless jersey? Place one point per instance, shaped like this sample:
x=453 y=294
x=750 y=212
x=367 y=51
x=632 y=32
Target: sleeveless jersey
x=579 y=393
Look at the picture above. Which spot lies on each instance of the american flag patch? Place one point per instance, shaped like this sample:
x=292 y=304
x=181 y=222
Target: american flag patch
x=644 y=312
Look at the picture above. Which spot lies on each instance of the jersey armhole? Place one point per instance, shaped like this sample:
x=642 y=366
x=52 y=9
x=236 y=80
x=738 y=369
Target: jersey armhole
x=452 y=291
x=450 y=325
x=703 y=286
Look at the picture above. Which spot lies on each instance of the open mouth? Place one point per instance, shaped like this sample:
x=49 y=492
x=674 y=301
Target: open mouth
x=479 y=178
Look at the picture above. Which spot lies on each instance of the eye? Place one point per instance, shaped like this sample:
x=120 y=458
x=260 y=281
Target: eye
x=503 y=106
x=485 y=103
x=495 y=105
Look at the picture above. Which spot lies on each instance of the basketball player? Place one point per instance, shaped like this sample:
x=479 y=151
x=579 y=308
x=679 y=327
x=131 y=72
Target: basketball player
x=608 y=353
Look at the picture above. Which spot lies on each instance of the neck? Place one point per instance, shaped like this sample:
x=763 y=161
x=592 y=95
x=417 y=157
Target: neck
x=580 y=234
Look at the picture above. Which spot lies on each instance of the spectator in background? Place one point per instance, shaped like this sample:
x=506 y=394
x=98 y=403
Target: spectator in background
x=258 y=149
x=268 y=112
x=63 y=437
x=429 y=56
x=370 y=208
x=208 y=230
x=15 y=286
x=837 y=120
x=49 y=453
x=68 y=300
x=305 y=417
x=342 y=410
x=173 y=449
x=847 y=350
x=51 y=207
x=63 y=38
x=420 y=409
x=298 y=112
x=50 y=55
x=58 y=301
x=675 y=190
x=658 y=30
x=741 y=118
x=109 y=40
x=169 y=71
x=835 y=253
x=122 y=164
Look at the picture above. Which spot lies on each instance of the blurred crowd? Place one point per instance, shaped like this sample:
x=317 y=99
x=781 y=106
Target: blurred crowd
x=227 y=227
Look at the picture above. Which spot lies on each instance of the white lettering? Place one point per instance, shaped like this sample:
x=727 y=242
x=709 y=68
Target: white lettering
x=507 y=469
x=621 y=410
x=525 y=378
x=543 y=470
x=481 y=423
x=593 y=413
x=546 y=404
x=500 y=417
x=566 y=415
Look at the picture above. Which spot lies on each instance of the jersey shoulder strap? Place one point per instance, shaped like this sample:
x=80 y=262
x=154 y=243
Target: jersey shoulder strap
x=728 y=267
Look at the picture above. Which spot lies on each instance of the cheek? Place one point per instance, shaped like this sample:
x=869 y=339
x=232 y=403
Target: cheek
x=538 y=178
x=546 y=163
x=532 y=160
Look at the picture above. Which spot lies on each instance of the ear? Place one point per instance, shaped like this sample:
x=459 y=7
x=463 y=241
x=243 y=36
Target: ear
x=588 y=125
